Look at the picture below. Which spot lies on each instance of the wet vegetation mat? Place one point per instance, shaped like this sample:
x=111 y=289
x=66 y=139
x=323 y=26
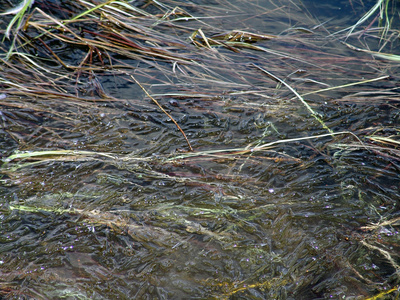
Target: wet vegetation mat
x=199 y=150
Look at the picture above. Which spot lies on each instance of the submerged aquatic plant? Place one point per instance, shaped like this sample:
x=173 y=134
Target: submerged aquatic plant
x=290 y=190
x=379 y=11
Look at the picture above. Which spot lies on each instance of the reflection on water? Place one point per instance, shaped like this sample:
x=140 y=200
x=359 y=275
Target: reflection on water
x=129 y=213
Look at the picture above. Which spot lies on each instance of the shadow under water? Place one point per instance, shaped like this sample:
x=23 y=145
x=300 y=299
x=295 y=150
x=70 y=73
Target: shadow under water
x=291 y=191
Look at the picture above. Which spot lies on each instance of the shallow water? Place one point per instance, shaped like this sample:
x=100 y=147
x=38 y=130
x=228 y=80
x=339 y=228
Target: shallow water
x=131 y=214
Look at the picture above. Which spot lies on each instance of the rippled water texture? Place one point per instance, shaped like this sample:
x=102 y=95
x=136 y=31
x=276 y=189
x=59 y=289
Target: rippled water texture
x=291 y=191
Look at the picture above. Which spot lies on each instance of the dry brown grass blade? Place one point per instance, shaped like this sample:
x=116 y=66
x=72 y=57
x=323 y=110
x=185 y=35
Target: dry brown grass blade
x=164 y=111
x=109 y=39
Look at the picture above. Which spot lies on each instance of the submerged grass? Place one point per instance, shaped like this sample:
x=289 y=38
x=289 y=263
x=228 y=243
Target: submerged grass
x=240 y=214
x=381 y=10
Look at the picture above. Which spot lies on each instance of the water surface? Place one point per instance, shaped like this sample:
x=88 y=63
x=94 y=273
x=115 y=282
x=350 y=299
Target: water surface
x=277 y=200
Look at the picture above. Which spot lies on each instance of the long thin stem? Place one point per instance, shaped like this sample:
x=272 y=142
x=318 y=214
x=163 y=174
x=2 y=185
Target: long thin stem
x=164 y=111
x=313 y=113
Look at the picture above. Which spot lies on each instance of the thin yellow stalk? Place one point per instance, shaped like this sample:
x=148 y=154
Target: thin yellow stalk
x=25 y=155
x=236 y=151
x=383 y=139
x=346 y=85
x=387 y=56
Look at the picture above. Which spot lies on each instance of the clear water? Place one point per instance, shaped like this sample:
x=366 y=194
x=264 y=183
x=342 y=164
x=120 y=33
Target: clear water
x=132 y=215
